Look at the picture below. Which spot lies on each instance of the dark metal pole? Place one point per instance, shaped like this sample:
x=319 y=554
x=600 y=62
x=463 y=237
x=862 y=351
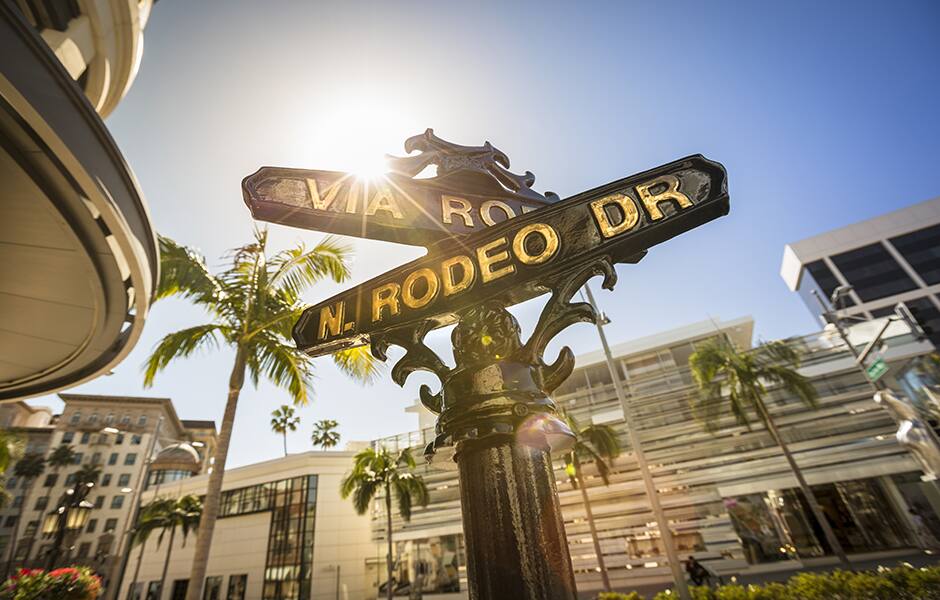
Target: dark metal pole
x=832 y=317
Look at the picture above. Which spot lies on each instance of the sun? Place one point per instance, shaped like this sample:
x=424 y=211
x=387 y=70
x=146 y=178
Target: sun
x=368 y=167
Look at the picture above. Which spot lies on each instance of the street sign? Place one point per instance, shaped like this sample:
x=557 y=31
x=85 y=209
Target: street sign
x=520 y=258
x=876 y=369
x=472 y=190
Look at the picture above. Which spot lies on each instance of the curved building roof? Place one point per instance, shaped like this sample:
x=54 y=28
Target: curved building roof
x=78 y=255
x=181 y=456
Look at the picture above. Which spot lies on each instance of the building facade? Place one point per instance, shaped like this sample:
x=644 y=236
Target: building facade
x=114 y=433
x=283 y=533
x=78 y=254
x=728 y=495
x=889 y=259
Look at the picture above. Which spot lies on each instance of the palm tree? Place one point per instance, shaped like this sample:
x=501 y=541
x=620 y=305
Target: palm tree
x=252 y=303
x=87 y=473
x=599 y=444
x=11 y=449
x=325 y=434
x=283 y=420
x=182 y=513
x=62 y=456
x=739 y=381
x=377 y=471
x=152 y=518
x=28 y=469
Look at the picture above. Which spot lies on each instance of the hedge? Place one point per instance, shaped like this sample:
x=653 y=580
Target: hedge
x=899 y=583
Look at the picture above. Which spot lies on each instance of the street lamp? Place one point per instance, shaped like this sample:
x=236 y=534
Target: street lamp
x=72 y=514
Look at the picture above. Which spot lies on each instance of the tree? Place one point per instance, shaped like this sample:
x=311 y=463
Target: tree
x=728 y=378
x=325 y=434
x=283 y=420
x=87 y=473
x=183 y=513
x=253 y=304
x=376 y=471
x=151 y=518
x=62 y=456
x=597 y=443
x=11 y=449
x=28 y=468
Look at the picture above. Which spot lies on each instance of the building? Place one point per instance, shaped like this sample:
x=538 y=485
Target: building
x=283 y=532
x=729 y=495
x=115 y=433
x=78 y=254
x=889 y=259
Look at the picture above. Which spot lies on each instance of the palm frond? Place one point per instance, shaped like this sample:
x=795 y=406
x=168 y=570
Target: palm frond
x=358 y=363
x=284 y=365
x=183 y=272
x=179 y=344
x=294 y=270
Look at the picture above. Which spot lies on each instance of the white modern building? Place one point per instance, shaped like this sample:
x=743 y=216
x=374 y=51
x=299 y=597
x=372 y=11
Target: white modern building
x=78 y=254
x=888 y=259
x=283 y=533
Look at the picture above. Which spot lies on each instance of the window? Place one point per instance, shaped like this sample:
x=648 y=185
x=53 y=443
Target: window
x=41 y=503
x=136 y=591
x=70 y=479
x=68 y=437
x=18 y=502
x=99 y=501
x=873 y=272
x=117 y=501
x=135 y=439
x=236 y=587
x=130 y=459
x=104 y=547
x=106 y=480
x=92 y=525
x=124 y=479
x=213 y=589
x=96 y=458
x=93 y=419
x=822 y=276
x=109 y=419
x=31 y=528
x=112 y=460
x=921 y=249
x=51 y=480
x=179 y=589
x=84 y=549
x=10 y=522
x=76 y=417
x=77 y=458
x=119 y=439
x=142 y=421
x=11 y=483
x=125 y=420
x=110 y=525
x=153 y=590
x=86 y=436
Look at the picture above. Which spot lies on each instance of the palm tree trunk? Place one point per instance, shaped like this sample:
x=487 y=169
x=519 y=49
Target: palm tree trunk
x=210 y=509
x=807 y=492
x=285 y=443
x=166 y=562
x=590 y=519
x=140 y=560
x=388 y=559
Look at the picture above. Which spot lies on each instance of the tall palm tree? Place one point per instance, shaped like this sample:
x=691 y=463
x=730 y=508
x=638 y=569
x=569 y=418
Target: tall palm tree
x=182 y=513
x=377 y=471
x=283 y=420
x=252 y=304
x=62 y=456
x=728 y=378
x=597 y=443
x=152 y=518
x=28 y=469
x=325 y=434
x=87 y=473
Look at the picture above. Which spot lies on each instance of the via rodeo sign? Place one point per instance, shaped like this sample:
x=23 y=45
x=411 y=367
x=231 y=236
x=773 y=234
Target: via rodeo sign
x=490 y=236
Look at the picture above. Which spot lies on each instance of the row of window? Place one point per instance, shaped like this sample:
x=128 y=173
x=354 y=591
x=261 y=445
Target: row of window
x=110 y=525
x=69 y=438
x=109 y=419
x=42 y=503
x=237 y=584
x=124 y=480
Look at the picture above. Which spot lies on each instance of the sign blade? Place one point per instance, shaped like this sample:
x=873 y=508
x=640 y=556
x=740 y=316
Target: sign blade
x=518 y=259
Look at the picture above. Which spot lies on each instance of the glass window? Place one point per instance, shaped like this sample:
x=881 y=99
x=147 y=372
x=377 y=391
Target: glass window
x=921 y=250
x=84 y=549
x=93 y=418
x=135 y=439
x=70 y=479
x=873 y=272
x=130 y=458
x=110 y=525
x=11 y=483
x=92 y=525
x=136 y=591
x=51 y=480
x=236 y=587
x=109 y=419
x=106 y=480
x=77 y=458
x=124 y=479
x=142 y=421
x=99 y=501
x=11 y=520
x=96 y=458
x=179 y=589
x=213 y=589
x=86 y=436
x=117 y=501
x=76 y=417
x=125 y=420
x=31 y=528
x=41 y=503
x=119 y=439
x=153 y=590
x=68 y=437
x=818 y=275
x=112 y=460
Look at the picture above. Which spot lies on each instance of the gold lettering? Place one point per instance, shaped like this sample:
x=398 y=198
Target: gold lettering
x=672 y=193
x=487 y=261
x=408 y=289
x=447 y=274
x=352 y=197
x=631 y=216
x=486 y=208
x=323 y=203
x=382 y=296
x=385 y=200
x=452 y=205
x=551 y=244
x=331 y=320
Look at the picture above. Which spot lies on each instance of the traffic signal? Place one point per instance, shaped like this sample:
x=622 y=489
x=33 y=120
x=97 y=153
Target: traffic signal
x=915 y=318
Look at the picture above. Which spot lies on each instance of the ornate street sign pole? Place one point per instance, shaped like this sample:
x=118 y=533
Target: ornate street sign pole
x=493 y=242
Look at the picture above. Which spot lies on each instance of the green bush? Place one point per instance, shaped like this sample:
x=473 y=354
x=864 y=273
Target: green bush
x=900 y=583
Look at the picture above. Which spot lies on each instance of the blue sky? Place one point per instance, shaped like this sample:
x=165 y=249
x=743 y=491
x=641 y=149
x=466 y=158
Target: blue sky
x=823 y=114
